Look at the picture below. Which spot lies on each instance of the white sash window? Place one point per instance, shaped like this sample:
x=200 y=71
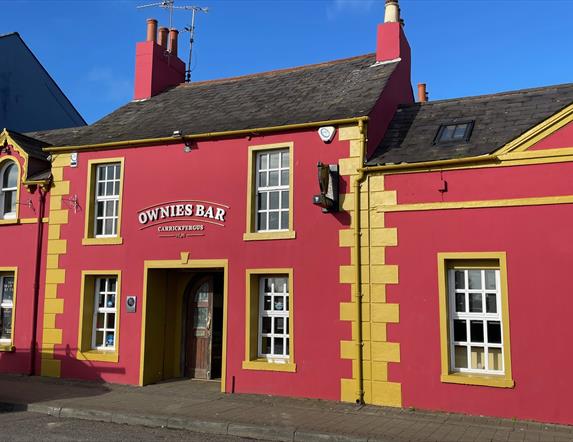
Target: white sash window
x=107 y=200
x=274 y=319
x=9 y=190
x=475 y=321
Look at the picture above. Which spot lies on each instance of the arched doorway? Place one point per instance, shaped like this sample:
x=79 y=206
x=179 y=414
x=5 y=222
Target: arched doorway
x=203 y=327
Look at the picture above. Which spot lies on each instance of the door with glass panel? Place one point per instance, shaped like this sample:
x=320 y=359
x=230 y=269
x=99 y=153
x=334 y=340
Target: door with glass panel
x=199 y=316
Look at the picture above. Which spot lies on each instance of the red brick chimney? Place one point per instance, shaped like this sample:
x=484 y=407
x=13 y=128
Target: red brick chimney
x=392 y=43
x=157 y=67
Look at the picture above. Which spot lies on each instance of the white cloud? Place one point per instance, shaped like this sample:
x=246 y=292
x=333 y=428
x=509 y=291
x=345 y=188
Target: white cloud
x=338 y=7
x=108 y=86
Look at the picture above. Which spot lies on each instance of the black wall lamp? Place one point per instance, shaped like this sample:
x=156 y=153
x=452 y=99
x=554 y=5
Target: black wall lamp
x=6 y=147
x=328 y=184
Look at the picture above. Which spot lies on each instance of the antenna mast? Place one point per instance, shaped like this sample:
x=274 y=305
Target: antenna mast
x=170 y=5
x=166 y=4
x=191 y=30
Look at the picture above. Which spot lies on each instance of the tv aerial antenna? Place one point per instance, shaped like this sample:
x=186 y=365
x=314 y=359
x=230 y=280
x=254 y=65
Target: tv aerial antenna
x=170 y=6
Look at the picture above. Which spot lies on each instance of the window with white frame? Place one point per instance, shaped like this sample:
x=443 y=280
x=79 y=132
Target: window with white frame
x=475 y=321
x=105 y=318
x=9 y=190
x=272 y=190
x=107 y=187
x=274 y=318
x=6 y=306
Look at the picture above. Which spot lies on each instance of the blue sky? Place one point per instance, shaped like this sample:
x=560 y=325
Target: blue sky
x=459 y=47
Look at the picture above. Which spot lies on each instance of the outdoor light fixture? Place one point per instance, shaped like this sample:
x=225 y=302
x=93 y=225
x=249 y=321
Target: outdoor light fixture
x=6 y=148
x=328 y=184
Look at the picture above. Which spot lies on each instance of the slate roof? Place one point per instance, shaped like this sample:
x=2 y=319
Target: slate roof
x=334 y=90
x=31 y=146
x=499 y=118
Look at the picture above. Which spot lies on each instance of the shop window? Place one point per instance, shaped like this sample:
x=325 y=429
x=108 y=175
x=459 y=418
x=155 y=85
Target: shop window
x=7 y=302
x=270 y=192
x=9 y=190
x=103 y=220
x=99 y=316
x=475 y=329
x=269 y=320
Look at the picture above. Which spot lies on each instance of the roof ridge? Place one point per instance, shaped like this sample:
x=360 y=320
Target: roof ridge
x=495 y=94
x=8 y=34
x=276 y=71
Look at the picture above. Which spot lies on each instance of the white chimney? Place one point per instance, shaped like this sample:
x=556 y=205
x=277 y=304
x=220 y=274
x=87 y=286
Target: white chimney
x=392 y=12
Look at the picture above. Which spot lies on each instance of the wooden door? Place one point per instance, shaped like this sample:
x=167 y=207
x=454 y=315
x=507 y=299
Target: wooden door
x=199 y=329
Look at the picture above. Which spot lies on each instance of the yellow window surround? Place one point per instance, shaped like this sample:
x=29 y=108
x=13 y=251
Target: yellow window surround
x=87 y=305
x=89 y=235
x=13 y=271
x=251 y=233
x=477 y=260
x=252 y=360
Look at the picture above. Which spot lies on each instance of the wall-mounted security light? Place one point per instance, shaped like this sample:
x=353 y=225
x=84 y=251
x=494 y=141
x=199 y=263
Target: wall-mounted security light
x=326 y=133
x=328 y=183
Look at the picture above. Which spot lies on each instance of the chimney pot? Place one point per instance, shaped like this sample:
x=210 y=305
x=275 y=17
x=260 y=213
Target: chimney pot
x=163 y=31
x=173 y=33
x=422 y=93
x=151 y=29
x=392 y=12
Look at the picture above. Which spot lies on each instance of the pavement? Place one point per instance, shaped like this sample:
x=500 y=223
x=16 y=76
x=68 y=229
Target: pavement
x=199 y=406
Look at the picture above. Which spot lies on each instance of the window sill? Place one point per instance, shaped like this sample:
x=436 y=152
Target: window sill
x=262 y=236
x=7 y=347
x=9 y=221
x=98 y=355
x=102 y=241
x=483 y=380
x=263 y=364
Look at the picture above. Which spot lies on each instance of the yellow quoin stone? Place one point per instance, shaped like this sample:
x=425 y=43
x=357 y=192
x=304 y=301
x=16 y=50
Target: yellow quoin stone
x=53 y=306
x=376 y=274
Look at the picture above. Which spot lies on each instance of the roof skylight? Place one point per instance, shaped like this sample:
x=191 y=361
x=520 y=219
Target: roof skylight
x=451 y=133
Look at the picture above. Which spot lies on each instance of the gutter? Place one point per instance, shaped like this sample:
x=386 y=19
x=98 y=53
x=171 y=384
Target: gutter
x=205 y=135
x=431 y=164
x=39 y=239
x=362 y=174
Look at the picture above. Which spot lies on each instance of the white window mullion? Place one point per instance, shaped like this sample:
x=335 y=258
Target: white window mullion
x=483 y=318
x=265 y=189
x=108 y=176
x=101 y=333
x=269 y=289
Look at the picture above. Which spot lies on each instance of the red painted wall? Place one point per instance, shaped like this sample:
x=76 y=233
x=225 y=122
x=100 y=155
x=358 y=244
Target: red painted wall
x=537 y=240
x=19 y=245
x=560 y=138
x=217 y=171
